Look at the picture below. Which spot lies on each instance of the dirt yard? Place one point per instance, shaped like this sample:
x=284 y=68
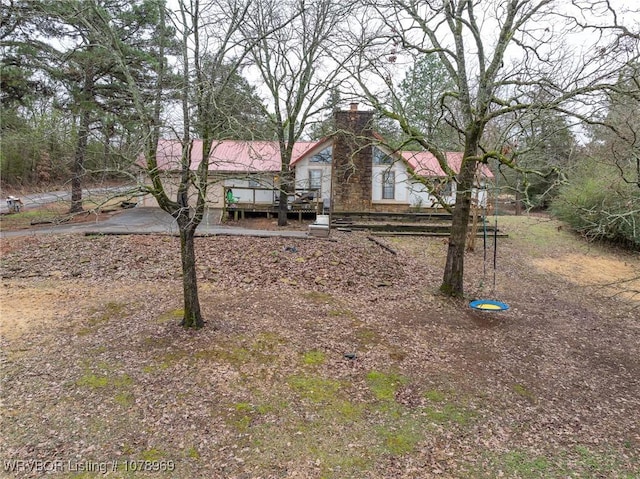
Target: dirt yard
x=98 y=375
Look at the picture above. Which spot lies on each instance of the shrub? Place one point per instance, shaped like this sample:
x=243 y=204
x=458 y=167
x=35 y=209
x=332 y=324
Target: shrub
x=600 y=205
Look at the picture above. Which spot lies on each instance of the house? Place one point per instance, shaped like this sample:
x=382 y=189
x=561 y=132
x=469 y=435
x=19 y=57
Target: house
x=250 y=169
x=352 y=171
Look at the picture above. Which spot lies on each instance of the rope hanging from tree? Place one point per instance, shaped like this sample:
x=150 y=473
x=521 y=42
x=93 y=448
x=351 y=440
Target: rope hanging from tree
x=489 y=304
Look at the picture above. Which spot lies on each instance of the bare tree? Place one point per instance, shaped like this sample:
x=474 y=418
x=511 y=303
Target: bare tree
x=620 y=132
x=208 y=29
x=298 y=67
x=600 y=199
x=496 y=52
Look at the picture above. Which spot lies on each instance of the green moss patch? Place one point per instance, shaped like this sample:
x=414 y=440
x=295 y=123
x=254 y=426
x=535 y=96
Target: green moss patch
x=435 y=395
x=314 y=388
x=93 y=381
x=328 y=437
x=579 y=461
x=318 y=297
x=120 y=385
x=313 y=358
x=524 y=392
x=400 y=441
x=152 y=454
x=384 y=385
x=103 y=314
x=171 y=316
x=449 y=413
x=237 y=352
x=240 y=416
x=192 y=453
x=124 y=398
x=96 y=381
x=341 y=313
x=367 y=338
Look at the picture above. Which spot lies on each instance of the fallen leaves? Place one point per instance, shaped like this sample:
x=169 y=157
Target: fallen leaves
x=230 y=262
x=319 y=359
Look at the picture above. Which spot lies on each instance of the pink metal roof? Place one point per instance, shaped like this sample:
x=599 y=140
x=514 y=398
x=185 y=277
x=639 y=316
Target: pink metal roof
x=252 y=156
x=230 y=155
x=425 y=164
x=169 y=154
x=264 y=156
x=311 y=147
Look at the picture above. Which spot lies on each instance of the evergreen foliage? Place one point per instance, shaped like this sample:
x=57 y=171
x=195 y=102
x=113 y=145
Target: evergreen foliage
x=602 y=197
x=600 y=205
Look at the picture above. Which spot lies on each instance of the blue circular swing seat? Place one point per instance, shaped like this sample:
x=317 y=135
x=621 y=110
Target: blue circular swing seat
x=488 y=305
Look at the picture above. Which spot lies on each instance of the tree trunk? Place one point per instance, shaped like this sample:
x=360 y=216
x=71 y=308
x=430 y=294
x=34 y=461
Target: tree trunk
x=518 y=202
x=453 y=280
x=283 y=206
x=78 y=163
x=192 y=314
x=108 y=133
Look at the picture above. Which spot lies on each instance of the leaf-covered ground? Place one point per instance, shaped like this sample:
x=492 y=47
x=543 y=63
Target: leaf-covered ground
x=97 y=371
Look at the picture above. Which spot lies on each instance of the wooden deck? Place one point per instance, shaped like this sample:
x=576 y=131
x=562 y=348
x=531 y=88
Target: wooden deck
x=425 y=222
x=300 y=211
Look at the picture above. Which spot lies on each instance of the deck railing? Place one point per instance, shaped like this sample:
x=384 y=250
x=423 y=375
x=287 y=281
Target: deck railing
x=301 y=196
x=303 y=201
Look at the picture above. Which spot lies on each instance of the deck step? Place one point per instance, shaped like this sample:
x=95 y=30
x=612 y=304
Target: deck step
x=386 y=216
x=404 y=227
x=435 y=234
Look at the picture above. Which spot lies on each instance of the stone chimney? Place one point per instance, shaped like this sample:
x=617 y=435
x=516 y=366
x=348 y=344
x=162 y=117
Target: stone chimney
x=351 y=166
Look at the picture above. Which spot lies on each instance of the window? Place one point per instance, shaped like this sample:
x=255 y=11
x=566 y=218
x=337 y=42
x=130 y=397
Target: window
x=323 y=157
x=443 y=187
x=388 y=185
x=254 y=182
x=380 y=157
x=315 y=180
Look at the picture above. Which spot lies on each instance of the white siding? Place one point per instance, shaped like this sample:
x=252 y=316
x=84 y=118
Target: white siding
x=401 y=191
x=407 y=190
x=420 y=197
x=302 y=176
x=480 y=194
